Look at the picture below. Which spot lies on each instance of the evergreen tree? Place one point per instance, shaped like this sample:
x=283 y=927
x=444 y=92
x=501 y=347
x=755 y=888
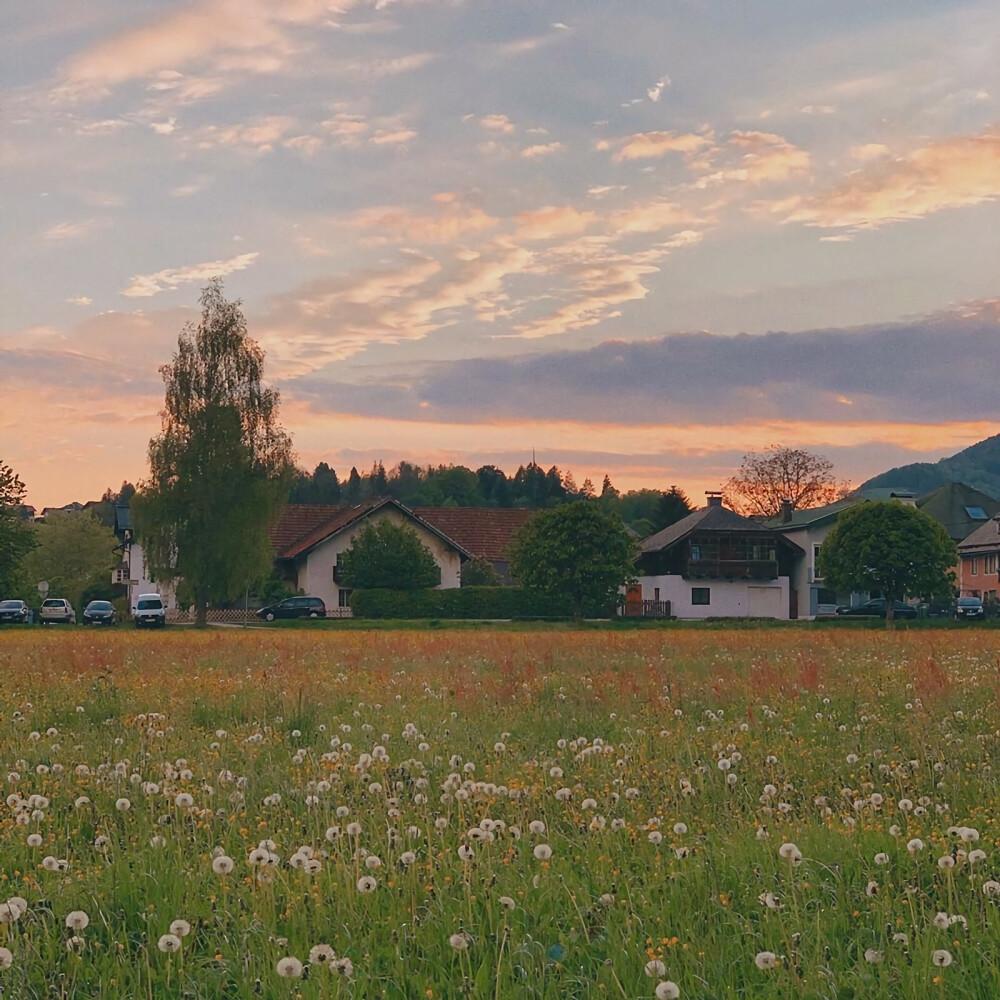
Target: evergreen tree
x=673 y=506
x=354 y=489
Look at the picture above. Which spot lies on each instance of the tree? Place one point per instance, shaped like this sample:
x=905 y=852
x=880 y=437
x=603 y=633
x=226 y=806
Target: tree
x=16 y=537
x=889 y=547
x=391 y=555
x=577 y=550
x=479 y=572
x=673 y=506
x=764 y=479
x=353 y=488
x=75 y=553
x=221 y=467
x=608 y=491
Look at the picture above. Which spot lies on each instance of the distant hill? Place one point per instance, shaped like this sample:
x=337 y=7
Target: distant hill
x=978 y=466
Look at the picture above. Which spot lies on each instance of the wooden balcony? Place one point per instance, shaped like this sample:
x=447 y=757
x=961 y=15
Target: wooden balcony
x=731 y=569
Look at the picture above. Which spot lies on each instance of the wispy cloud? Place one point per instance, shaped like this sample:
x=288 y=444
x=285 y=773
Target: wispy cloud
x=653 y=145
x=950 y=173
x=147 y=285
x=64 y=231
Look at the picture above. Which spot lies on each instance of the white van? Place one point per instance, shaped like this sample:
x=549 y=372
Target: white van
x=149 y=610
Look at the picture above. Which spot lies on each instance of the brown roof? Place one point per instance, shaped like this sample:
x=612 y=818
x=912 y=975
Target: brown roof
x=479 y=531
x=714 y=517
x=297 y=520
x=483 y=531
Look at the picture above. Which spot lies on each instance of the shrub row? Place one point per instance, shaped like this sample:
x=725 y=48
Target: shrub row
x=458 y=602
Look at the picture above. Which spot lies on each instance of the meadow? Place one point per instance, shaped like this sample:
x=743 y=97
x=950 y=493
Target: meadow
x=753 y=814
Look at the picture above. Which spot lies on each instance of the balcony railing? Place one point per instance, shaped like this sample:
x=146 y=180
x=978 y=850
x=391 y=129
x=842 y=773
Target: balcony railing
x=732 y=569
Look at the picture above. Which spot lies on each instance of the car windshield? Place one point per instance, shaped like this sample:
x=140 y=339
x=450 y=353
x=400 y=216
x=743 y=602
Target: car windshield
x=969 y=602
x=9 y=605
x=150 y=604
x=55 y=603
x=99 y=606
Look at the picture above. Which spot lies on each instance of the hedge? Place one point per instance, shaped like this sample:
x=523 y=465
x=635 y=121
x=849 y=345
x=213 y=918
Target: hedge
x=459 y=602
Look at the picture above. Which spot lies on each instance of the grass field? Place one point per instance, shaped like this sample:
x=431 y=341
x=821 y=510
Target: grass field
x=714 y=814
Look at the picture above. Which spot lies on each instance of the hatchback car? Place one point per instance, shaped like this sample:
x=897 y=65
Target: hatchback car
x=14 y=612
x=969 y=609
x=294 y=607
x=876 y=609
x=57 y=610
x=99 y=613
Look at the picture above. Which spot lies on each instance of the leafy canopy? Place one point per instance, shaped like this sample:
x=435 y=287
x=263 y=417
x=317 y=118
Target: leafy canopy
x=16 y=537
x=889 y=547
x=221 y=466
x=386 y=554
x=479 y=572
x=579 y=550
x=74 y=552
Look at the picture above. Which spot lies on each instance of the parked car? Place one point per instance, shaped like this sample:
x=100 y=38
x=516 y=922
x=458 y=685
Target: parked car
x=876 y=609
x=968 y=609
x=99 y=613
x=294 y=607
x=149 y=611
x=56 y=610
x=14 y=612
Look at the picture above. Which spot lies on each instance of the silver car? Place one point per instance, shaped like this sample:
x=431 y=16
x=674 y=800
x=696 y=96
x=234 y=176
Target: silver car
x=57 y=610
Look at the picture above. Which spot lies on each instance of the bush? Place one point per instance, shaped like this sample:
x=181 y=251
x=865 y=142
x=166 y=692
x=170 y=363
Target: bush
x=462 y=602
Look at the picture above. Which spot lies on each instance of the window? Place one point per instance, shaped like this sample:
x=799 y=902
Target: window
x=701 y=595
x=989 y=564
x=656 y=593
x=343 y=598
x=976 y=513
x=974 y=566
x=816 y=572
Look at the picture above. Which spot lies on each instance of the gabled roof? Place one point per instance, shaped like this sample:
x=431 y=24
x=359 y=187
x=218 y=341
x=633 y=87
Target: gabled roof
x=486 y=532
x=711 y=518
x=339 y=518
x=948 y=505
x=813 y=515
x=987 y=535
x=297 y=520
x=808 y=516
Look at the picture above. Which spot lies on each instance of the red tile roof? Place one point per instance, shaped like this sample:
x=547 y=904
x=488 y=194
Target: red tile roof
x=481 y=531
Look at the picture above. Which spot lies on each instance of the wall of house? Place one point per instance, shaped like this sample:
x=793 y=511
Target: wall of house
x=978 y=574
x=315 y=570
x=141 y=581
x=805 y=577
x=729 y=598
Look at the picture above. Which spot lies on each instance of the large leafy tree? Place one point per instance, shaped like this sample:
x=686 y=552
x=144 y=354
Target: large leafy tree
x=221 y=467
x=579 y=551
x=386 y=554
x=889 y=547
x=16 y=538
x=75 y=553
x=764 y=479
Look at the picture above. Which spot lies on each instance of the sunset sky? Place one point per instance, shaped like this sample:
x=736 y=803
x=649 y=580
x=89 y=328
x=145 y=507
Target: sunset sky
x=637 y=236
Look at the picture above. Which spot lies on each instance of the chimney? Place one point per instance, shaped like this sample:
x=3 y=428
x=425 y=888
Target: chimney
x=786 y=510
x=714 y=498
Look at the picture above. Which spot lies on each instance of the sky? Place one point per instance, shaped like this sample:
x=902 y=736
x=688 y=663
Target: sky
x=639 y=237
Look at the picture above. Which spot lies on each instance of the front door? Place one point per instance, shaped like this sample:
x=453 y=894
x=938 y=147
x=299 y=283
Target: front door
x=633 y=600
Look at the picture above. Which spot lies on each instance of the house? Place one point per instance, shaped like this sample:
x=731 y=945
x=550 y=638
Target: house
x=715 y=563
x=133 y=572
x=486 y=532
x=808 y=529
x=979 y=560
x=961 y=509
x=308 y=538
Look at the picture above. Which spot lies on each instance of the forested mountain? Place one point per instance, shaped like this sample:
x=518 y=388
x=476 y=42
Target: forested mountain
x=978 y=466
